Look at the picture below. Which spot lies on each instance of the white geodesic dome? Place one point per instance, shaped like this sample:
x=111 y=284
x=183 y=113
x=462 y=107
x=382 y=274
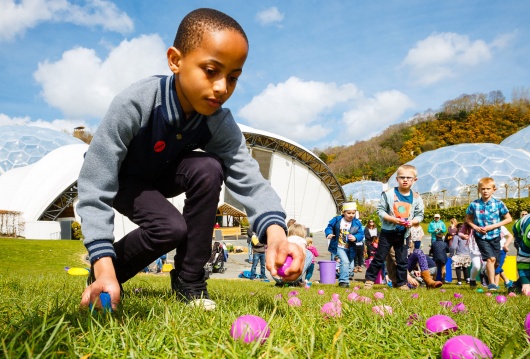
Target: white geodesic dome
x=519 y=140
x=364 y=191
x=457 y=169
x=23 y=145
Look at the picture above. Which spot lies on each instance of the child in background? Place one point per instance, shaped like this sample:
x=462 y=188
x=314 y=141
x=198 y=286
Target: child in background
x=337 y=266
x=461 y=259
x=484 y=216
x=521 y=232
x=400 y=208
x=296 y=235
x=258 y=255
x=416 y=235
x=143 y=153
x=314 y=251
x=372 y=248
x=439 y=254
x=506 y=240
x=343 y=231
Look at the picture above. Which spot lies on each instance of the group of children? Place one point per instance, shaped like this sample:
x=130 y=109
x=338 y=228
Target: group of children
x=145 y=151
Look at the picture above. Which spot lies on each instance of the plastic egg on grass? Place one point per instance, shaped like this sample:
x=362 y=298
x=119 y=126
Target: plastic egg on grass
x=480 y=290
x=465 y=347
x=382 y=310
x=446 y=303
x=442 y=290
x=379 y=295
x=293 y=293
x=352 y=296
x=415 y=295
x=512 y=294
x=527 y=326
x=459 y=308
x=294 y=302
x=458 y=295
x=501 y=299
x=250 y=328
x=320 y=292
x=331 y=309
x=488 y=294
x=440 y=323
x=335 y=297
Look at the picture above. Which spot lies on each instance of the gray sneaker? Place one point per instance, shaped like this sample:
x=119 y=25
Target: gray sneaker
x=193 y=293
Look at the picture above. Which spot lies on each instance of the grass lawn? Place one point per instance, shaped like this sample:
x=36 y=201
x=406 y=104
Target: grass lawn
x=40 y=316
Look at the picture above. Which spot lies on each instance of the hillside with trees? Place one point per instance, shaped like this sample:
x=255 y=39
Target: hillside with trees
x=476 y=118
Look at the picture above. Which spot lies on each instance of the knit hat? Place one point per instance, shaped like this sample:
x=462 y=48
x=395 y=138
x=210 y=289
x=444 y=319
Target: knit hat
x=349 y=206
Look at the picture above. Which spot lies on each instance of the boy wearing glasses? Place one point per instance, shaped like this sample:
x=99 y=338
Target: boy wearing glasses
x=399 y=209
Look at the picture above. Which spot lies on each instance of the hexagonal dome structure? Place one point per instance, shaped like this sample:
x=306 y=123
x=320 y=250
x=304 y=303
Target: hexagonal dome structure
x=362 y=191
x=23 y=145
x=520 y=140
x=457 y=169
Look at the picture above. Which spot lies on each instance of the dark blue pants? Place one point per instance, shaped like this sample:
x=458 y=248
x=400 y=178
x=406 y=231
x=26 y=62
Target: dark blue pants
x=388 y=239
x=161 y=227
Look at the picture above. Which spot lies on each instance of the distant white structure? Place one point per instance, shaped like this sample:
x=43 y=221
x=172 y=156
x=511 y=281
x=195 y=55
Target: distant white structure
x=46 y=188
x=364 y=191
x=519 y=140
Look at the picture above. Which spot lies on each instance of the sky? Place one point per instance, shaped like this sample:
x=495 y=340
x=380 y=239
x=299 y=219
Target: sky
x=321 y=73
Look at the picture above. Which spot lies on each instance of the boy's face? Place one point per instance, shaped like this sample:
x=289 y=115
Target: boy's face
x=207 y=75
x=349 y=215
x=487 y=190
x=405 y=179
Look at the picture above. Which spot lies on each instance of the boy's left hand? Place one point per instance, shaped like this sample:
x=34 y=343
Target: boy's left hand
x=277 y=250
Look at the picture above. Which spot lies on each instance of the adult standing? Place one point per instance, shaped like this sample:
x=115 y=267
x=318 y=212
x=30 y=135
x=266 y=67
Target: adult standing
x=436 y=228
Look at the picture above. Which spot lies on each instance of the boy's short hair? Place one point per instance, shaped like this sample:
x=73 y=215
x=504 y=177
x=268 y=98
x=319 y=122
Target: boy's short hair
x=297 y=229
x=336 y=257
x=408 y=168
x=309 y=240
x=484 y=181
x=192 y=28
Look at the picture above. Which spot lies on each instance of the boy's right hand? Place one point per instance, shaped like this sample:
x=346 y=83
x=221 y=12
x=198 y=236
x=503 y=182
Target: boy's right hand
x=106 y=281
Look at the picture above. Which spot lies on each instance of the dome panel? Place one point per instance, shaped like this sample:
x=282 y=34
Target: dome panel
x=364 y=190
x=519 y=140
x=469 y=163
x=23 y=145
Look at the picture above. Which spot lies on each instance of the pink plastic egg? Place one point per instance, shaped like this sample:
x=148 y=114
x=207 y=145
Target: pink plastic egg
x=293 y=293
x=379 y=295
x=446 y=303
x=458 y=295
x=250 y=328
x=512 y=294
x=286 y=264
x=415 y=295
x=500 y=299
x=331 y=309
x=320 y=292
x=294 y=302
x=382 y=310
x=488 y=294
x=352 y=296
x=440 y=323
x=459 y=308
x=335 y=297
x=466 y=347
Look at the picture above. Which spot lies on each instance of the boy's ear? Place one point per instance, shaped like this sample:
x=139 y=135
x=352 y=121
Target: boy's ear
x=173 y=59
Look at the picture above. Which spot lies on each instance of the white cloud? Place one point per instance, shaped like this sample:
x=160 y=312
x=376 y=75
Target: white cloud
x=58 y=125
x=310 y=111
x=269 y=16
x=296 y=109
x=82 y=84
x=18 y=16
x=441 y=56
x=372 y=115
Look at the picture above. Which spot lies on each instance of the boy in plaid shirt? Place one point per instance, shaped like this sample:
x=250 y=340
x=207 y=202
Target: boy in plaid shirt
x=484 y=216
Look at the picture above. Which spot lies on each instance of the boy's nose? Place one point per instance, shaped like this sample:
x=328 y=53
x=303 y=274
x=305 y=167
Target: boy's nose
x=219 y=86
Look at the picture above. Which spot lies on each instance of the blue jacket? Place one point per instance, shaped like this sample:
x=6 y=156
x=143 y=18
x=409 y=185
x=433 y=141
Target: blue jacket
x=334 y=228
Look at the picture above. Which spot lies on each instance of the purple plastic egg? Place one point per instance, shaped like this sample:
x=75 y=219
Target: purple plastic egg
x=250 y=328
x=294 y=302
x=286 y=264
x=458 y=295
x=459 y=308
x=293 y=293
x=440 y=323
x=500 y=299
x=466 y=347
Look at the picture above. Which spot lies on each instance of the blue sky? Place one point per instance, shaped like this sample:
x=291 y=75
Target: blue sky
x=322 y=73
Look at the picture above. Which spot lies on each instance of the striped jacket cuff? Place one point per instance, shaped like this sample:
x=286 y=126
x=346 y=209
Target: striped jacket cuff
x=99 y=249
x=265 y=221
